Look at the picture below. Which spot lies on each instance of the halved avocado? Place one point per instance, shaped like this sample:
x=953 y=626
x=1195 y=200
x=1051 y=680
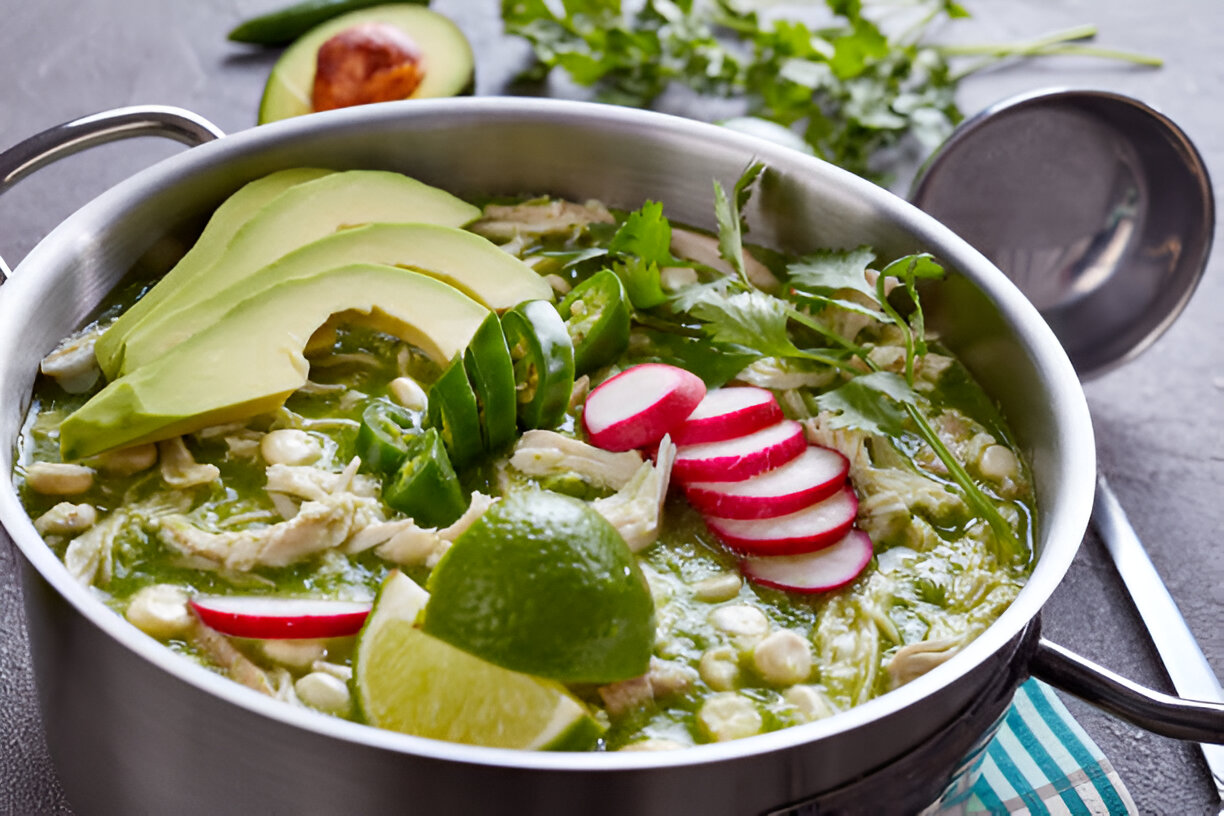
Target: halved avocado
x=449 y=64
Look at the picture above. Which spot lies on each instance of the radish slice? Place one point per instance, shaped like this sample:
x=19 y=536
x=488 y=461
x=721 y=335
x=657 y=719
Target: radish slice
x=816 y=571
x=266 y=617
x=638 y=406
x=734 y=460
x=726 y=413
x=818 y=525
x=815 y=474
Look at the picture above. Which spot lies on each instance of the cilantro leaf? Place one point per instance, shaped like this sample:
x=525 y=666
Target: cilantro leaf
x=642 y=282
x=854 y=51
x=829 y=270
x=851 y=88
x=908 y=270
x=752 y=319
x=689 y=296
x=714 y=363
x=820 y=301
x=646 y=234
x=729 y=213
x=914 y=267
x=857 y=403
x=572 y=257
x=955 y=10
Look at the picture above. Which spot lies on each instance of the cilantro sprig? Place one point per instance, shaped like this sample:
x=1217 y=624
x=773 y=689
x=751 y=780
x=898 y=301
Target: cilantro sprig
x=737 y=314
x=853 y=89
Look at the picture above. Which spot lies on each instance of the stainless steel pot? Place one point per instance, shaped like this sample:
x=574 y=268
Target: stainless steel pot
x=134 y=728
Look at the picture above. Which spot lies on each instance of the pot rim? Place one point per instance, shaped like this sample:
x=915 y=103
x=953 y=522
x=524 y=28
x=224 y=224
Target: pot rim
x=1057 y=543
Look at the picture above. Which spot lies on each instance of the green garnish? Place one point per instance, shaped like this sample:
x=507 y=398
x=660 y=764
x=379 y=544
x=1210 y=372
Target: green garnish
x=729 y=212
x=875 y=401
x=853 y=87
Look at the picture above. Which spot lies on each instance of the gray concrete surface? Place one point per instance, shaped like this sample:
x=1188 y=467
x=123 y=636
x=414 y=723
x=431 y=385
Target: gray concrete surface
x=1158 y=420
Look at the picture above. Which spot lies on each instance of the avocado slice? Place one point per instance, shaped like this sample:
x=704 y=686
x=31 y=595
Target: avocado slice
x=250 y=361
x=448 y=59
x=226 y=220
x=470 y=263
x=298 y=216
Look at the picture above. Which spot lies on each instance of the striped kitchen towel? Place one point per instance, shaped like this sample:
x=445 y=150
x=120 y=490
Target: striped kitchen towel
x=1040 y=762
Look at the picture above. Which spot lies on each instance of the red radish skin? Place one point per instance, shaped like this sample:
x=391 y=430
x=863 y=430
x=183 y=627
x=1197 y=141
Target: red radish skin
x=281 y=618
x=817 y=571
x=814 y=475
x=726 y=413
x=818 y=525
x=734 y=460
x=639 y=406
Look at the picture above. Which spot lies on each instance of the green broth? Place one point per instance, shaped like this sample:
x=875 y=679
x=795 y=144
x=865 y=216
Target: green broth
x=933 y=577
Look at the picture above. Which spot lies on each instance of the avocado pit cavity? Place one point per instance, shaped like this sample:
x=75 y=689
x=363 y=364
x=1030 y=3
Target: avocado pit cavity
x=369 y=62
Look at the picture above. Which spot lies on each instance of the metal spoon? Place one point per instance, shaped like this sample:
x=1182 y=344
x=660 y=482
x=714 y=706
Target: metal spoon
x=1100 y=209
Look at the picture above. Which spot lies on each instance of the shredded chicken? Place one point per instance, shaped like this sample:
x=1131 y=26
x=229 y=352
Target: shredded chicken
x=243 y=445
x=559 y=284
x=626 y=695
x=315 y=484
x=891 y=494
x=582 y=387
x=88 y=557
x=178 y=467
x=410 y=545
x=319 y=525
x=783 y=375
x=413 y=546
x=849 y=442
x=235 y=664
x=669 y=677
x=548 y=453
x=636 y=510
x=703 y=249
x=883 y=515
x=928 y=368
x=126 y=461
x=537 y=219
x=917 y=491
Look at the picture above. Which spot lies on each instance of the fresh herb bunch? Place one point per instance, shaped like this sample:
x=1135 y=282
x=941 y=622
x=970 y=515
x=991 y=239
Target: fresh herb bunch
x=717 y=327
x=852 y=89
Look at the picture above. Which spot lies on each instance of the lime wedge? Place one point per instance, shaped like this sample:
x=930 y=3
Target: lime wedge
x=410 y=682
x=543 y=584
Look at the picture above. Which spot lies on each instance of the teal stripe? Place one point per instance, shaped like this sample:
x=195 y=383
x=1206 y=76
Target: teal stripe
x=985 y=793
x=1047 y=764
x=1079 y=752
x=1016 y=779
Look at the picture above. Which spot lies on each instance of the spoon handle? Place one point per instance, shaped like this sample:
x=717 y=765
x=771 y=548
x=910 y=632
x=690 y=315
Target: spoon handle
x=1181 y=654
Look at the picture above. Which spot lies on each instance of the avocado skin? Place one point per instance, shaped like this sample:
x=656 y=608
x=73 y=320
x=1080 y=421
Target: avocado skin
x=251 y=360
x=450 y=62
x=285 y=25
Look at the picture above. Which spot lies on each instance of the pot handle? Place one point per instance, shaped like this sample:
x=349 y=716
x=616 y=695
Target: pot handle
x=67 y=138
x=1153 y=711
